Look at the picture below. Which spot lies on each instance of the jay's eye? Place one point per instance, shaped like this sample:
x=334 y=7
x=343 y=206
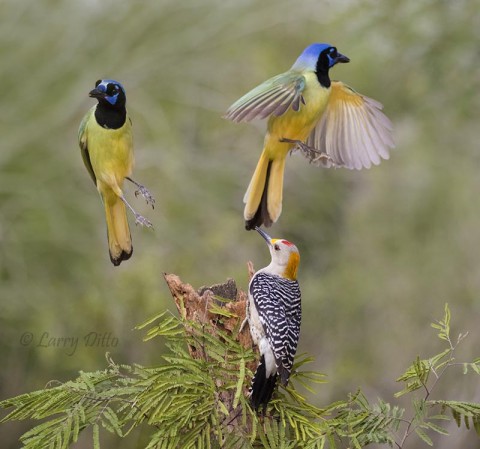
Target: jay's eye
x=112 y=89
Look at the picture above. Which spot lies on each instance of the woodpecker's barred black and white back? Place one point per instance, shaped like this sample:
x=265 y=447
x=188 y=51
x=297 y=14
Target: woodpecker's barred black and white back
x=274 y=316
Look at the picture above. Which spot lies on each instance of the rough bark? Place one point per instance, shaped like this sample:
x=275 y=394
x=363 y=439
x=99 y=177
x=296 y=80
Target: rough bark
x=195 y=305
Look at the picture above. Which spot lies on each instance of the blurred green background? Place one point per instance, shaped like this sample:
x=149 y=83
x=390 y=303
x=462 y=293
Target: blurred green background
x=382 y=249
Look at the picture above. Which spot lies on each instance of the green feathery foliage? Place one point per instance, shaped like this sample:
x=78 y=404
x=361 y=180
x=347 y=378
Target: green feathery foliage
x=363 y=423
x=187 y=402
x=201 y=402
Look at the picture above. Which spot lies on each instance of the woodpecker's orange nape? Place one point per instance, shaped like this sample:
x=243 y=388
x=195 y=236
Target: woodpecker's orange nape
x=292 y=267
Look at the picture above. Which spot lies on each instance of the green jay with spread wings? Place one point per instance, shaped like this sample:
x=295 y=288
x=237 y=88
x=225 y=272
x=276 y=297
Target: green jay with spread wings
x=331 y=124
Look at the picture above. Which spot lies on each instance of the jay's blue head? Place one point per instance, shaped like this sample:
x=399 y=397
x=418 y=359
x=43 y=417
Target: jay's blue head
x=109 y=93
x=319 y=58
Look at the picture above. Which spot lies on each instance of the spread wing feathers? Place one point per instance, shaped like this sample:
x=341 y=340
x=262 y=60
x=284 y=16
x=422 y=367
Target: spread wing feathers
x=353 y=131
x=83 y=142
x=274 y=96
x=277 y=301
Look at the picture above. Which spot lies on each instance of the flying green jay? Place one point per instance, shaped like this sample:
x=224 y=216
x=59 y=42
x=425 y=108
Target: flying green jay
x=330 y=123
x=106 y=144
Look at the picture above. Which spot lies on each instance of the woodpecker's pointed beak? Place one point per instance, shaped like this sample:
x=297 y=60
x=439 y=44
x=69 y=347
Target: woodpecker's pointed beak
x=267 y=238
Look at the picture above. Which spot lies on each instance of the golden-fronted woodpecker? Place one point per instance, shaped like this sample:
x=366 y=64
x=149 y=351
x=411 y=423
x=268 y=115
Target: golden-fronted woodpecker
x=274 y=314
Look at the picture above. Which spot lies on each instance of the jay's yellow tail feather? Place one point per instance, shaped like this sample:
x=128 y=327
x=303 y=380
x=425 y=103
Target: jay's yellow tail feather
x=118 y=232
x=263 y=199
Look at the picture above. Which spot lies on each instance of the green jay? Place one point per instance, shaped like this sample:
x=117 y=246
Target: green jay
x=329 y=122
x=106 y=144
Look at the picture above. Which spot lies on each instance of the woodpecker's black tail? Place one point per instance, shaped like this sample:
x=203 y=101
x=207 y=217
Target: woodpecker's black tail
x=262 y=387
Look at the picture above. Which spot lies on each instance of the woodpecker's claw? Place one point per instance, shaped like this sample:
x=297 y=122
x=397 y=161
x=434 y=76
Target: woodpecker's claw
x=245 y=321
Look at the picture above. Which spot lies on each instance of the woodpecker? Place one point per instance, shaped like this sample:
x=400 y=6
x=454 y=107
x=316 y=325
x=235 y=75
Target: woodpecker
x=274 y=314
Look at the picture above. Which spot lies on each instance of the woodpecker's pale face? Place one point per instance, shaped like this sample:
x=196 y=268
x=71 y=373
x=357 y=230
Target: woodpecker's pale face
x=285 y=256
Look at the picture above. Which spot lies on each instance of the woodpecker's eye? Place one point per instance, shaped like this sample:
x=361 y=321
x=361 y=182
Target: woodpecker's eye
x=276 y=247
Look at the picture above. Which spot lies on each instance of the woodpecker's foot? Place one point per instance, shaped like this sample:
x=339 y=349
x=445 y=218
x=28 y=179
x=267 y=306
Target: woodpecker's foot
x=245 y=321
x=141 y=220
x=309 y=152
x=143 y=191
